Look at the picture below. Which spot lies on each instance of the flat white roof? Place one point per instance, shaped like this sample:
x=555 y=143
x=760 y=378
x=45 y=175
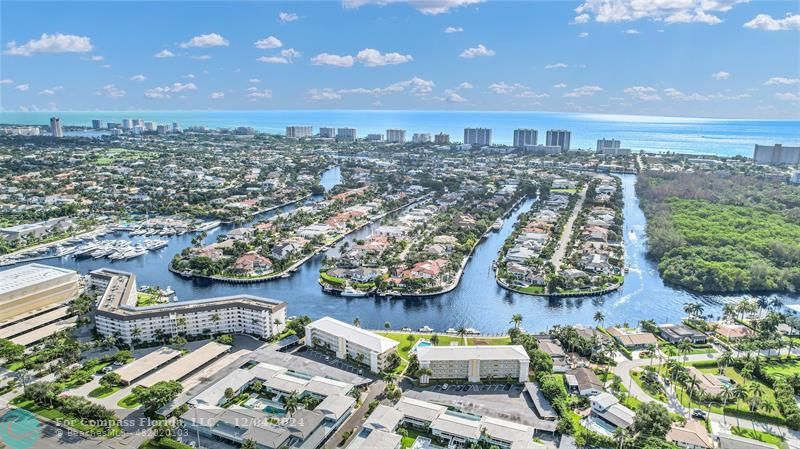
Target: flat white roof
x=361 y=337
x=457 y=424
x=421 y=410
x=29 y=275
x=144 y=365
x=212 y=396
x=186 y=364
x=33 y=336
x=505 y=352
x=22 y=326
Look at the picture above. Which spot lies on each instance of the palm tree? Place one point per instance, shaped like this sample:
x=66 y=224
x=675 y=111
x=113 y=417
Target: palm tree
x=651 y=348
x=291 y=403
x=738 y=394
x=729 y=311
x=462 y=331
x=723 y=361
x=685 y=347
x=387 y=325
x=599 y=318
x=516 y=319
x=215 y=318
x=182 y=324
x=357 y=322
x=620 y=435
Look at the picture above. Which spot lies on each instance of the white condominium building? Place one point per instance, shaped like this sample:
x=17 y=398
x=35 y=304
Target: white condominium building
x=350 y=342
x=477 y=136
x=327 y=132
x=421 y=138
x=28 y=288
x=299 y=132
x=55 y=127
x=346 y=134
x=118 y=315
x=396 y=135
x=776 y=155
x=559 y=138
x=525 y=137
x=474 y=363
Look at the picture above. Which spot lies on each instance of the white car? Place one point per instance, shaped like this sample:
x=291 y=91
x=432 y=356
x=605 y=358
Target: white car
x=445 y=387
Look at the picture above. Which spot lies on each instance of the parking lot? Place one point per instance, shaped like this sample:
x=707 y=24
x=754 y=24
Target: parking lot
x=328 y=360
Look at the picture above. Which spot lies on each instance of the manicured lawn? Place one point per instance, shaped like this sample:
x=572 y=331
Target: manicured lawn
x=782 y=367
x=166 y=443
x=657 y=394
x=102 y=392
x=57 y=415
x=79 y=377
x=14 y=366
x=145 y=299
x=130 y=401
x=764 y=437
x=531 y=289
x=405 y=344
x=730 y=372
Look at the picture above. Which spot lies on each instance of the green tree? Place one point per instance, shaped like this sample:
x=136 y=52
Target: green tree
x=652 y=419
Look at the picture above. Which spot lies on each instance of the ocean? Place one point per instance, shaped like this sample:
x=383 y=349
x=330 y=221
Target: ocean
x=723 y=137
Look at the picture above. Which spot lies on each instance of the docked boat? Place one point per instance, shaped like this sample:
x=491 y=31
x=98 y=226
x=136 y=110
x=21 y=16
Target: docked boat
x=497 y=225
x=425 y=329
x=207 y=226
x=351 y=292
x=153 y=245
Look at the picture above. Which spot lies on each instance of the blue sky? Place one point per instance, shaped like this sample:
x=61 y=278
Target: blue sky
x=699 y=58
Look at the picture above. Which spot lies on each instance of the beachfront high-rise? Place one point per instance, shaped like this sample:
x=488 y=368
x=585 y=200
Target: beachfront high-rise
x=346 y=134
x=98 y=124
x=55 y=127
x=776 y=155
x=525 y=137
x=298 y=132
x=477 y=136
x=326 y=132
x=558 y=138
x=607 y=144
x=442 y=139
x=421 y=138
x=396 y=135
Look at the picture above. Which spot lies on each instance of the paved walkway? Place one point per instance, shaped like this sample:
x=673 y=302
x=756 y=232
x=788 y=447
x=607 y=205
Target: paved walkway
x=356 y=420
x=566 y=233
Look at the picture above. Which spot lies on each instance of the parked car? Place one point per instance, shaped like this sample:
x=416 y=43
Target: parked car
x=699 y=414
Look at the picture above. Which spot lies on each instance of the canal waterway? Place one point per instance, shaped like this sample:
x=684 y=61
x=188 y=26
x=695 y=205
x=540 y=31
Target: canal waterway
x=477 y=301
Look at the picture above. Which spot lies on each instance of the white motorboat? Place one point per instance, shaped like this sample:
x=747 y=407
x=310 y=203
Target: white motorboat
x=351 y=292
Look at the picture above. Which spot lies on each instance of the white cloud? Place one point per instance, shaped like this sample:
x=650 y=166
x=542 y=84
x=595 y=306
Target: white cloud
x=286 y=57
x=110 y=91
x=453 y=97
x=6 y=81
x=138 y=77
x=165 y=91
x=217 y=95
x=788 y=96
x=106 y=66
x=584 y=91
x=335 y=60
x=643 y=93
x=93 y=58
x=559 y=65
x=631 y=31
x=678 y=95
x=580 y=19
x=582 y=35
x=429 y=7
x=323 y=94
x=559 y=85
x=254 y=80
x=516 y=90
x=51 y=43
x=287 y=17
x=779 y=80
x=188 y=76
x=51 y=91
x=415 y=85
x=720 y=76
x=164 y=54
x=23 y=87
x=465 y=85
x=201 y=57
x=269 y=42
x=206 y=40
x=765 y=22
x=254 y=93
x=669 y=11
x=454 y=30
x=474 y=52
x=374 y=58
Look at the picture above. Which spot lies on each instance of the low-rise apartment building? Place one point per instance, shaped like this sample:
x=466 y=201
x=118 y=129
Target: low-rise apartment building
x=474 y=363
x=349 y=342
x=118 y=315
x=28 y=288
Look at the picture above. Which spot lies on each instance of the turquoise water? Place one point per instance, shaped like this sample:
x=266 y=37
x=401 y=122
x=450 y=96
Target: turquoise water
x=685 y=135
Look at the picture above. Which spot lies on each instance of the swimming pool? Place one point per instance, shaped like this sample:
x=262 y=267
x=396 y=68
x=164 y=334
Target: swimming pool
x=421 y=343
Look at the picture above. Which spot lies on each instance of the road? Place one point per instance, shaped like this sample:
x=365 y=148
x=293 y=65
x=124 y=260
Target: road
x=566 y=233
x=719 y=423
x=356 y=420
